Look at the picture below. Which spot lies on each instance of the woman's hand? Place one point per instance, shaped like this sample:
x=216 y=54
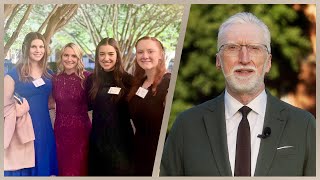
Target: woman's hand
x=23 y=108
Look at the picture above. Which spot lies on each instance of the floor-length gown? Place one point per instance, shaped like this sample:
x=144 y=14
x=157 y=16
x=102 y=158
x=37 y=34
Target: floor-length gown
x=111 y=136
x=45 y=146
x=146 y=114
x=72 y=124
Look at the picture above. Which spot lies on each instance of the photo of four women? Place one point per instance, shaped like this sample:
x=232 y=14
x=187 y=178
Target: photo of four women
x=127 y=110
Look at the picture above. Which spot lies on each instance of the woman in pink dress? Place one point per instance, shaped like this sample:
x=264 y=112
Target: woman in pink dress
x=72 y=124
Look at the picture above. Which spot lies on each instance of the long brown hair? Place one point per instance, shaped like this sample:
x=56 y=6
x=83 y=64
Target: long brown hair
x=23 y=65
x=98 y=71
x=140 y=74
x=80 y=66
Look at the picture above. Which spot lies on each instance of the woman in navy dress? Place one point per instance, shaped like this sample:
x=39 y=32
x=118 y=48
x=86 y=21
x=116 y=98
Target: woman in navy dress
x=32 y=80
x=72 y=124
x=146 y=102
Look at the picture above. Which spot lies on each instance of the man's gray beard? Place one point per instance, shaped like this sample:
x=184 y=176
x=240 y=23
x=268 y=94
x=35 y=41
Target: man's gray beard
x=247 y=85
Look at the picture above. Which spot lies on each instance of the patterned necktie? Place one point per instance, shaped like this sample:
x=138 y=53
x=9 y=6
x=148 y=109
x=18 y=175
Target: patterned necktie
x=243 y=152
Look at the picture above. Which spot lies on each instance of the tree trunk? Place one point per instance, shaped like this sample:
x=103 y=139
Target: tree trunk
x=9 y=8
x=47 y=19
x=18 y=29
x=13 y=13
x=62 y=15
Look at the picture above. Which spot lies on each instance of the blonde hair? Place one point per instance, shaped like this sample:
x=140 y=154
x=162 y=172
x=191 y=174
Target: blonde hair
x=80 y=66
x=23 y=65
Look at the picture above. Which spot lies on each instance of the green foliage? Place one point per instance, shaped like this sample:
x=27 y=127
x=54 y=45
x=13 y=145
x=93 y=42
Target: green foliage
x=92 y=22
x=142 y=18
x=53 y=66
x=198 y=79
x=37 y=16
x=177 y=107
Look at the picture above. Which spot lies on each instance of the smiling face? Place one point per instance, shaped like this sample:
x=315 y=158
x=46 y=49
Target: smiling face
x=69 y=60
x=107 y=57
x=244 y=72
x=149 y=54
x=36 y=51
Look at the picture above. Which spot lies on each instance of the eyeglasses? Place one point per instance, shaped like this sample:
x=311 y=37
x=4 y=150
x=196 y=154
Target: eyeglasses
x=253 y=49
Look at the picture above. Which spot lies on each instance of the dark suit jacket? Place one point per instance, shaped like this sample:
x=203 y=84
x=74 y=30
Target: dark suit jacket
x=197 y=143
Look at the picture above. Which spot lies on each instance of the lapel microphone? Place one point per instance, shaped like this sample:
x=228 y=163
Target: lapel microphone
x=265 y=133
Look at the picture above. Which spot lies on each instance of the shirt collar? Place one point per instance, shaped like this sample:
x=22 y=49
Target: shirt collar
x=257 y=105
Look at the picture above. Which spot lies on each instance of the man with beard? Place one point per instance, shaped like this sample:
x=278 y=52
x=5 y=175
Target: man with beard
x=245 y=131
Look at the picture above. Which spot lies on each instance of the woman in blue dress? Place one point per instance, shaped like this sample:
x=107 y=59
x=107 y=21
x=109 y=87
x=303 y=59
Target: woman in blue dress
x=32 y=80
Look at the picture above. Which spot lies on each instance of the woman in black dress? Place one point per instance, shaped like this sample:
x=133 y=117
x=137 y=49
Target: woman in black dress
x=110 y=145
x=146 y=102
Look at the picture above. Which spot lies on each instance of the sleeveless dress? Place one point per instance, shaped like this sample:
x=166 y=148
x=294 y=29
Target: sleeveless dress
x=146 y=114
x=111 y=138
x=45 y=146
x=72 y=124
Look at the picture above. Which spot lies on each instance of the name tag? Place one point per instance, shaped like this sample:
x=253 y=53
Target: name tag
x=142 y=92
x=39 y=82
x=114 y=90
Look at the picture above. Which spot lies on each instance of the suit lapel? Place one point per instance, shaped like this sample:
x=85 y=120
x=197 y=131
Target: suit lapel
x=268 y=146
x=215 y=125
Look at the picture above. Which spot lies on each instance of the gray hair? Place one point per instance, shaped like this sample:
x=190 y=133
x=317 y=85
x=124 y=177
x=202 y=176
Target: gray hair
x=244 y=18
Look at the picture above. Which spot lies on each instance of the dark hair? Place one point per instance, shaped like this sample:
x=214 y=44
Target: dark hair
x=23 y=65
x=140 y=75
x=98 y=71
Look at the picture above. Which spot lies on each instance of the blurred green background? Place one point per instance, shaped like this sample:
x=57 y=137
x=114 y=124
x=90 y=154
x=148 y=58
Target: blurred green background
x=292 y=76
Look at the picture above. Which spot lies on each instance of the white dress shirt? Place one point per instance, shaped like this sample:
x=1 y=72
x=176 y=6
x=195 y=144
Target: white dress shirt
x=255 y=118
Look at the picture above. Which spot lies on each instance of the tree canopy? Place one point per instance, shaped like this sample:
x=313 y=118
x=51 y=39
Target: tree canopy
x=87 y=24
